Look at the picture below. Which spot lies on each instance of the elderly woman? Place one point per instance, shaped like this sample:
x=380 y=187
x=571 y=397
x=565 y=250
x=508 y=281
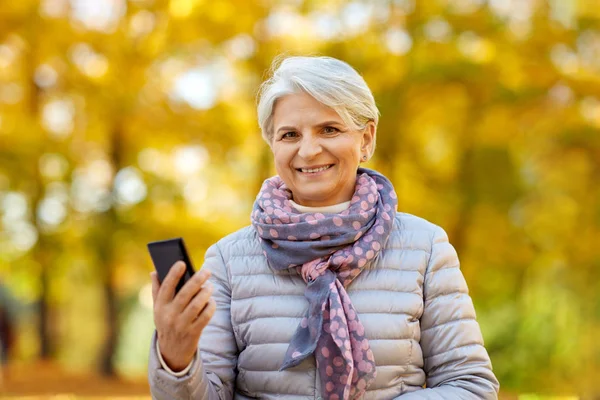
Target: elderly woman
x=330 y=293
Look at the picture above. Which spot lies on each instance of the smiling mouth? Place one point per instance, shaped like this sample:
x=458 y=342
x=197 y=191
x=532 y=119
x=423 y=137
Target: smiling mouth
x=314 y=170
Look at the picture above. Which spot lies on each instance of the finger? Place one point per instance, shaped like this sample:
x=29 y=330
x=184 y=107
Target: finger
x=191 y=288
x=206 y=315
x=197 y=304
x=166 y=291
x=155 y=285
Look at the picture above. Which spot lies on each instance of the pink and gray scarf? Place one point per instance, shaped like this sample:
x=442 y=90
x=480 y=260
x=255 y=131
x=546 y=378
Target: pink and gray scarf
x=330 y=250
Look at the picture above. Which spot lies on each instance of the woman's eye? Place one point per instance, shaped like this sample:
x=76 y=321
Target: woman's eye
x=330 y=130
x=288 y=135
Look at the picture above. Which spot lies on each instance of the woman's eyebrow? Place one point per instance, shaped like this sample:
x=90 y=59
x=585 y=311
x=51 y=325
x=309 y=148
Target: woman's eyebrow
x=326 y=123
x=320 y=125
x=286 y=128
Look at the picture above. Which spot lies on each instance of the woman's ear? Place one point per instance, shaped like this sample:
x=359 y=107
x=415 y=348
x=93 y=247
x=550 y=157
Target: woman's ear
x=368 y=139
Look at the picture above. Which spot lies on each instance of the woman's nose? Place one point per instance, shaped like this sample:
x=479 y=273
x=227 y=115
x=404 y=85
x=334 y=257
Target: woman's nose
x=309 y=147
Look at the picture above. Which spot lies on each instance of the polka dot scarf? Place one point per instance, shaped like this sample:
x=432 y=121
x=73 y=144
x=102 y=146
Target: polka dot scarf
x=329 y=250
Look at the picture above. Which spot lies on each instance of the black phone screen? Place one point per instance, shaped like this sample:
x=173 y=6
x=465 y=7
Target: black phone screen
x=165 y=253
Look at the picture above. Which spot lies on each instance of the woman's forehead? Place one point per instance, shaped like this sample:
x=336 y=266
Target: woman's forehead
x=302 y=109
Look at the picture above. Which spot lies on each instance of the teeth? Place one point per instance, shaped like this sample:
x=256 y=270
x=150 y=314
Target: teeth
x=316 y=169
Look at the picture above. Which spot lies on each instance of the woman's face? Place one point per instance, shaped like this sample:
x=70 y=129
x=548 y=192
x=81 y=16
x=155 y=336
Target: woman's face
x=316 y=154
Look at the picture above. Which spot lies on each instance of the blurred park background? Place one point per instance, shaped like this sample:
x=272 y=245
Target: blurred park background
x=127 y=121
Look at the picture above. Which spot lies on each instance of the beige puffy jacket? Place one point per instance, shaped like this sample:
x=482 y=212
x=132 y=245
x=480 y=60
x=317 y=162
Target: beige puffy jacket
x=413 y=302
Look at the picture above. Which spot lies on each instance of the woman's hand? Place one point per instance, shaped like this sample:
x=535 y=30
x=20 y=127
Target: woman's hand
x=180 y=319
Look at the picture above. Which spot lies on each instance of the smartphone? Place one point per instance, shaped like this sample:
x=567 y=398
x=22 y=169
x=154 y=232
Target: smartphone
x=165 y=253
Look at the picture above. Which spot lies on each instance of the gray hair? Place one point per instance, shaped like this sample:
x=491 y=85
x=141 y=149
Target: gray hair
x=330 y=81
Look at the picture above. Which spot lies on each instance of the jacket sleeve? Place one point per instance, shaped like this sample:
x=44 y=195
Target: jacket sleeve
x=456 y=363
x=212 y=375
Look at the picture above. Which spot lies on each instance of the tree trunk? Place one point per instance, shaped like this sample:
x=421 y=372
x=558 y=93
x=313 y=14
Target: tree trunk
x=108 y=258
x=107 y=367
x=47 y=344
x=43 y=251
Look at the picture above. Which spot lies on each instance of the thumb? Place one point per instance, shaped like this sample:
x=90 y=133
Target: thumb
x=155 y=285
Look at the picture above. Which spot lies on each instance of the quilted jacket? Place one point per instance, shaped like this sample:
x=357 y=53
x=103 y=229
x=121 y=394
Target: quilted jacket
x=413 y=302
